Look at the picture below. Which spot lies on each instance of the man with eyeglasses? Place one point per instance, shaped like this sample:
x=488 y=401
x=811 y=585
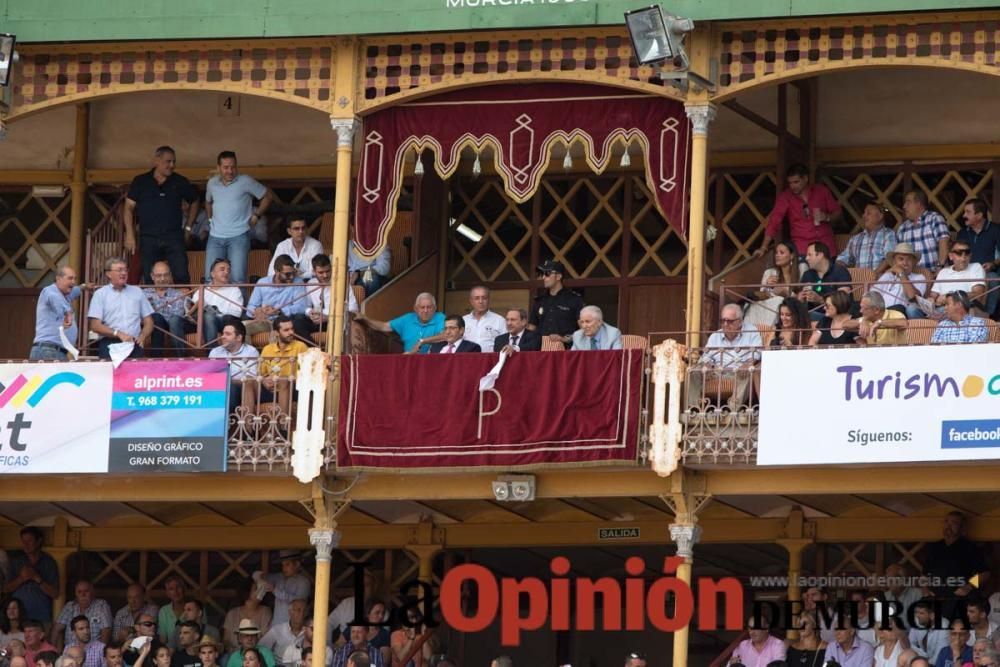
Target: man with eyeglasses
x=962 y=276
x=635 y=659
x=300 y=247
x=229 y=198
x=281 y=293
x=730 y=354
x=958 y=325
x=556 y=309
x=136 y=604
x=867 y=249
x=119 y=312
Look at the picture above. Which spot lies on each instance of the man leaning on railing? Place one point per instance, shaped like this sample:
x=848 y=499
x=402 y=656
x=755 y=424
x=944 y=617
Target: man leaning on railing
x=730 y=355
x=54 y=310
x=242 y=358
x=959 y=326
x=282 y=293
x=119 y=312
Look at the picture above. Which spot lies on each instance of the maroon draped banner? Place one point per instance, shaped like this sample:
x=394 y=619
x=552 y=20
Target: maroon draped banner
x=521 y=124
x=426 y=411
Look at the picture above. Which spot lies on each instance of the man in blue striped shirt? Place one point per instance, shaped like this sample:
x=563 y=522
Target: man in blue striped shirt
x=867 y=249
x=959 y=326
x=54 y=310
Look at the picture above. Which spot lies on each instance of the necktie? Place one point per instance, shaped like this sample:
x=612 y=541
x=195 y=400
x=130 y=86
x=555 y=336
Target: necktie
x=451 y=348
x=593 y=343
x=513 y=341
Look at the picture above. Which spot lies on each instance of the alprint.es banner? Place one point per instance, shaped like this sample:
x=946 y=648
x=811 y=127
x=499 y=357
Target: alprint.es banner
x=145 y=416
x=879 y=405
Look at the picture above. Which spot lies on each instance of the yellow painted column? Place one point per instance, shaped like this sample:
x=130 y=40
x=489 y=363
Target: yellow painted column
x=794 y=548
x=344 y=128
x=701 y=115
x=324 y=540
x=78 y=189
x=685 y=536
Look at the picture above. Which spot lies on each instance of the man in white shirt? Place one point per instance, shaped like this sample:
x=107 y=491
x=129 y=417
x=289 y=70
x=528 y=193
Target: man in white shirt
x=221 y=299
x=900 y=285
x=730 y=354
x=319 y=293
x=968 y=277
x=242 y=358
x=482 y=325
x=288 y=585
x=930 y=635
x=980 y=627
x=286 y=639
x=300 y=247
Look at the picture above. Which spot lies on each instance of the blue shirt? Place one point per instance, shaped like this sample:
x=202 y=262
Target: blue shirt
x=122 y=309
x=409 y=328
x=866 y=250
x=232 y=204
x=290 y=298
x=947 y=659
x=969 y=330
x=52 y=307
x=36 y=602
x=985 y=245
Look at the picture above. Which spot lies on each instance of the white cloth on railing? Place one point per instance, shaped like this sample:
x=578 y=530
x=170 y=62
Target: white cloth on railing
x=119 y=352
x=490 y=379
x=73 y=353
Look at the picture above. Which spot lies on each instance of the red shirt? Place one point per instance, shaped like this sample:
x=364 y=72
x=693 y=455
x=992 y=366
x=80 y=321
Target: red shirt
x=29 y=655
x=799 y=212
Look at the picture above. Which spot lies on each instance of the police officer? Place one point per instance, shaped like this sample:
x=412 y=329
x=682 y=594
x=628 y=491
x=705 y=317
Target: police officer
x=556 y=309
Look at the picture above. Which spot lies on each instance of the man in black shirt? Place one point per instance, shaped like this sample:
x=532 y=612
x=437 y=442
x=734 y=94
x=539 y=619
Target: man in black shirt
x=954 y=557
x=556 y=309
x=158 y=196
x=983 y=238
x=822 y=271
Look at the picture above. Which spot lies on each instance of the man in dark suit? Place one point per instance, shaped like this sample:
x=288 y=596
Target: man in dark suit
x=454 y=329
x=518 y=338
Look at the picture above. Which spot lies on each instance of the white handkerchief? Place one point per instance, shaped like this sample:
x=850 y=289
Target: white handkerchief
x=74 y=353
x=119 y=352
x=487 y=381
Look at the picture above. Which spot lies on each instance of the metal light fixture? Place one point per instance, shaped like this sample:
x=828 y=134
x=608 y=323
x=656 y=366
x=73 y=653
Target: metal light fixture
x=514 y=488
x=658 y=39
x=7 y=57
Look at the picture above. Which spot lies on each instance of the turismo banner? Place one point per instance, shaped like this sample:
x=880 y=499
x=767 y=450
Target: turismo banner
x=146 y=416
x=879 y=405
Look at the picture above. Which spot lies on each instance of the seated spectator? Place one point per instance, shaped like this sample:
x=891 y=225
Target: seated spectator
x=962 y=276
x=84 y=604
x=878 y=326
x=369 y=273
x=378 y=634
x=169 y=313
x=208 y=652
x=171 y=612
x=760 y=649
x=242 y=359
x=145 y=626
x=594 y=333
x=318 y=311
x=188 y=637
x=833 y=329
x=113 y=656
x=73 y=656
x=959 y=326
x=404 y=641
x=729 y=354
x=453 y=343
x=848 y=650
x=247 y=635
x=278 y=364
x=93 y=649
x=281 y=293
x=285 y=640
x=359 y=659
x=482 y=325
x=900 y=285
x=194 y=610
x=12 y=617
x=977 y=610
x=809 y=648
x=979 y=649
x=251 y=608
x=822 y=272
x=983 y=238
x=896 y=590
x=152 y=654
x=136 y=603
x=418 y=329
x=776 y=284
x=891 y=643
x=867 y=249
x=927 y=637
x=958 y=651
x=119 y=313
x=46 y=658
x=34 y=641
x=221 y=300
x=307 y=643
x=794 y=326
x=339 y=619
x=518 y=337
x=299 y=247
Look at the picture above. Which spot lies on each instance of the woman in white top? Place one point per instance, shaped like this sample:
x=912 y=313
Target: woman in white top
x=776 y=284
x=888 y=649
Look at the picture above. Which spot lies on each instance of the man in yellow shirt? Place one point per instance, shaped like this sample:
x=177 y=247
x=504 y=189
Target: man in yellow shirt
x=278 y=363
x=878 y=326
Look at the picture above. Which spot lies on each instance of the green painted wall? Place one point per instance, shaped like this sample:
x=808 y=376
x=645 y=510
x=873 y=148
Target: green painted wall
x=88 y=20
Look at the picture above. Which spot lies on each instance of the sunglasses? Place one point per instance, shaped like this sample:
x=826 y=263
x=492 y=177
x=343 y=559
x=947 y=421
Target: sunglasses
x=636 y=656
x=147 y=624
x=545 y=273
x=961 y=251
x=728 y=321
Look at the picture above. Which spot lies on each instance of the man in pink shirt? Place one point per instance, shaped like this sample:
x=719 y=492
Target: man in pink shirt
x=761 y=649
x=810 y=209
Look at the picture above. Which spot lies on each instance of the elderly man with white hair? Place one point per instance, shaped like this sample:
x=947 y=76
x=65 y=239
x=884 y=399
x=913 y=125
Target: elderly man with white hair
x=418 y=329
x=594 y=333
x=730 y=354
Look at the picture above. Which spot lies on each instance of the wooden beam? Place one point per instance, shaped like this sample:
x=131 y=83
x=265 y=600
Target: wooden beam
x=233 y=487
x=973 y=477
x=753 y=117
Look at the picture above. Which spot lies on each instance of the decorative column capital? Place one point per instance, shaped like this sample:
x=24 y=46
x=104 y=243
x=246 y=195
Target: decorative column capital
x=344 y=127
x=325 y=542
x=685 y=536
x=701 y=116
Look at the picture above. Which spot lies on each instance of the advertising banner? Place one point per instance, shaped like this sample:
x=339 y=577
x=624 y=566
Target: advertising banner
x=146 y=416
x=879 y=405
